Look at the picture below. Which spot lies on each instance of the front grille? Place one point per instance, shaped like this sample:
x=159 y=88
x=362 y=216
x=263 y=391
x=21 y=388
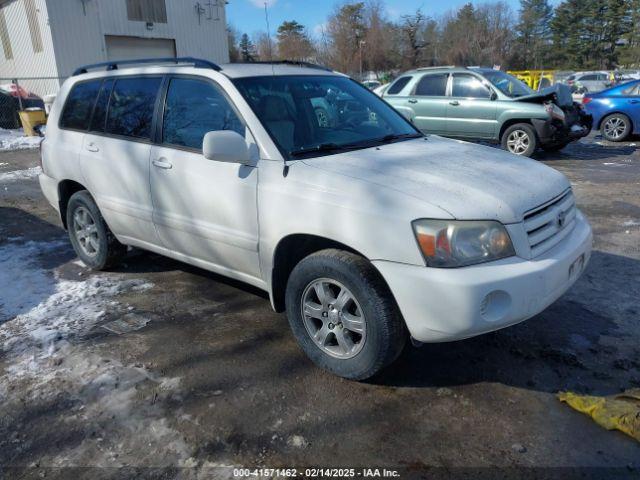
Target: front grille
x=548 y=224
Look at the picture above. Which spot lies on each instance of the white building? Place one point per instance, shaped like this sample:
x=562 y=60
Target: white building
x=51 y=38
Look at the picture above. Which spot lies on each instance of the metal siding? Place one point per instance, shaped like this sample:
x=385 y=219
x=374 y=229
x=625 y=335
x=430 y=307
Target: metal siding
x=25 y=62
x=78 y=36
x=80 y=39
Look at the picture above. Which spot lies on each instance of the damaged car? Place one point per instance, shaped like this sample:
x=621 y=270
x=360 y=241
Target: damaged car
x=490 y=105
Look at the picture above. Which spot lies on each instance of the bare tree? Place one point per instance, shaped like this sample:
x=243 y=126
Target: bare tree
x=378 y=38
x=346 y=31
x=265 y=47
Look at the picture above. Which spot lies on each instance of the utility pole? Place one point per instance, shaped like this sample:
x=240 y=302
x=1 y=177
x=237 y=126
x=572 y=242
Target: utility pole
x=362 y=44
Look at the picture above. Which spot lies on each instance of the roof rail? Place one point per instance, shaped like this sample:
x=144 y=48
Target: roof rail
x=293 y=63
x=114 y=65
x=437 y=68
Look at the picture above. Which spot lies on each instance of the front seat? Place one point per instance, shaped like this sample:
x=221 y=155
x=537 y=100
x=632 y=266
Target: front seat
x=278 y=120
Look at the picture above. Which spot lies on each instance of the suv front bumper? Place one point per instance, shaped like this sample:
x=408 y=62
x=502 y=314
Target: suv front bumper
x=552 y=132
x=441 y=305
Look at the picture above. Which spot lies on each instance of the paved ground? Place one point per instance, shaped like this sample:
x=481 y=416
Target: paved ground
x=209 y=376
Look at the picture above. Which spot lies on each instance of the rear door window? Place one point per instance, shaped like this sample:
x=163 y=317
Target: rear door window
x=397 y=87
x=193 y=108
x=79 y=105
x=469 y=86
x=100 y=110
x=433 y=85
x=131 y=107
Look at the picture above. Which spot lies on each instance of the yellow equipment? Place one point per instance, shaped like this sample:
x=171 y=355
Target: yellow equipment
x=534 y=78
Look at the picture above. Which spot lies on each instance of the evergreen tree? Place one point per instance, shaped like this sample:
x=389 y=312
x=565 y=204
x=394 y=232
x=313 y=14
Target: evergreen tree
x=293 y=42
x=587 y=33
x=534 y=33
x=247 y=49
x=630 y=48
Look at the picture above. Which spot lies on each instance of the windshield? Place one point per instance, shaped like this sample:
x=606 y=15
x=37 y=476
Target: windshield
x=322 y=115
x=507 y=84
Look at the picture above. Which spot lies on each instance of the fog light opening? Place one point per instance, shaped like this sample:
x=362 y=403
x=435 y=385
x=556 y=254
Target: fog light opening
x=495 y=306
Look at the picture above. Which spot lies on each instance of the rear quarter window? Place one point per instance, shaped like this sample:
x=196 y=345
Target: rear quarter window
x=399 y=84
x=79 y=105
x=434 y=85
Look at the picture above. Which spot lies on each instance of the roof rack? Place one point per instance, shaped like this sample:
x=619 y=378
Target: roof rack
x=293 y=63
x=114 y=65
x=436 y=68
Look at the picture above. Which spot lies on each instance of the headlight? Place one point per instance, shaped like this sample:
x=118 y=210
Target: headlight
x=555 y=111
x=451 y=243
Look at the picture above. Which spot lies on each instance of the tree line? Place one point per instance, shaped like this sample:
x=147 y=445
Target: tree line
x=359 y=35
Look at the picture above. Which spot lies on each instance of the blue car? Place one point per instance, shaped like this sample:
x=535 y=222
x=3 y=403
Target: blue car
x=616 y=111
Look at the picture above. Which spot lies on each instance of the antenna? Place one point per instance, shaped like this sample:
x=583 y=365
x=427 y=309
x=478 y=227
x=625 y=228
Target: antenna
x=266 y=18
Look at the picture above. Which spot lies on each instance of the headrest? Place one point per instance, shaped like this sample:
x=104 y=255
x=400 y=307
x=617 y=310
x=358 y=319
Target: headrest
x=274 y=109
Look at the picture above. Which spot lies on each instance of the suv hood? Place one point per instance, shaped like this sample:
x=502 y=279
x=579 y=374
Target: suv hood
x=470 y=182
x=559 y=93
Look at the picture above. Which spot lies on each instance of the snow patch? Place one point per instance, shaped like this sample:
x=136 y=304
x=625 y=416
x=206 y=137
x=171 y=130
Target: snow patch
x=20 y=174
x=39 y=309
x=41 y=343
x=17 y=140
x=631 y=223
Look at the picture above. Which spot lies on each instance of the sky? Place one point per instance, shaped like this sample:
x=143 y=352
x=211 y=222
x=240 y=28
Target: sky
x=248 y=15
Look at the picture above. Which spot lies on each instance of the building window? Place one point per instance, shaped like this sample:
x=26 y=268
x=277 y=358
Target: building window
x=34 y=26
x=152 y=11
x=4 y=36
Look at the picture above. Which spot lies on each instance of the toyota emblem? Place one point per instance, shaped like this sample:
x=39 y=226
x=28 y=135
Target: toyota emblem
x=562 y=218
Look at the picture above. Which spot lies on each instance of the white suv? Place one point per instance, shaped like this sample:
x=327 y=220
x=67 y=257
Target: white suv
x=364 y=230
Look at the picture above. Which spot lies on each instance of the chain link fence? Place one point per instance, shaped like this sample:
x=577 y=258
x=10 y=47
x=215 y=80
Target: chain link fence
x=24 y=93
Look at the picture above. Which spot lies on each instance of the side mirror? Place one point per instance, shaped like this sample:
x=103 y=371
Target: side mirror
x=226 y=146
x=494 y=96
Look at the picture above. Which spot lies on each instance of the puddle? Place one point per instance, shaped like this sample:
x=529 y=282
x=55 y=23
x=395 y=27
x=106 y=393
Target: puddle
x=128 y=323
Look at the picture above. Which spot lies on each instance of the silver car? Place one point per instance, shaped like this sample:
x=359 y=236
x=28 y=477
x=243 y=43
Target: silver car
x=584 y=82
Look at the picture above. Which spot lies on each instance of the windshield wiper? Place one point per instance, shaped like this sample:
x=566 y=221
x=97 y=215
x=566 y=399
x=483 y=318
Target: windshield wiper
x=399 y=136
x=323 y=147
x=334 y=147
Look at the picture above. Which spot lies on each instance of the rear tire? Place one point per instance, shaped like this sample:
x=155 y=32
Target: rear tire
x=90 y=236
x=343 y=314
x=520 y=139
x=615 y=127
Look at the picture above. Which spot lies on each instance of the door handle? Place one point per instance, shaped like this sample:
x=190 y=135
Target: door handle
x=455 y=103
x=634 y=101
x=413 y=100
x=162 y=163
x=92 y=147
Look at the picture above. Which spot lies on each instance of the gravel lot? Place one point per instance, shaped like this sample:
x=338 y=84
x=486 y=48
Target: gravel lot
x=172 y=371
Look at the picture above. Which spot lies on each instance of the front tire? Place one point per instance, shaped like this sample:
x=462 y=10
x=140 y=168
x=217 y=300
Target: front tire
x=520 y=139
x=90 y=236
x=343 y=314
x=616 y=127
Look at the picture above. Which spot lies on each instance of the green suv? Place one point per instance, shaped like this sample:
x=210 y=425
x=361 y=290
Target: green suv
x=487 y=104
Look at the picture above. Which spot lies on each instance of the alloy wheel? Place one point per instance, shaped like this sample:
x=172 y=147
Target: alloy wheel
x=615 y=127
x=333 y=318
x=518 y=142
x=86 y=231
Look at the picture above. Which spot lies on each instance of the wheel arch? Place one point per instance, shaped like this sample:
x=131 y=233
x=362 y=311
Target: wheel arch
x=289 y=251
x=66 y=188
x=513 y=121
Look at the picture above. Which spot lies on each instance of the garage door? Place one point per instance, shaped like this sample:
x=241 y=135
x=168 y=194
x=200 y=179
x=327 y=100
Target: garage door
x=128 y=48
